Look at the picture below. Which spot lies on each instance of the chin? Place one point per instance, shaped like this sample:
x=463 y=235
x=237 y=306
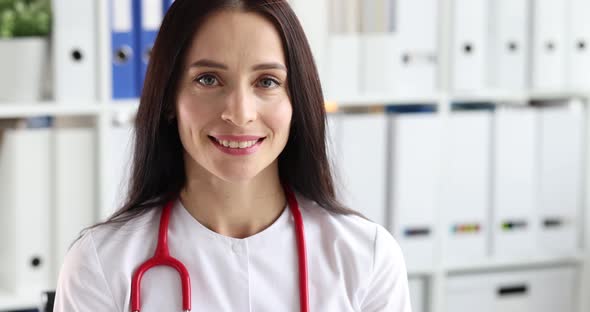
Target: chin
x=242 y=175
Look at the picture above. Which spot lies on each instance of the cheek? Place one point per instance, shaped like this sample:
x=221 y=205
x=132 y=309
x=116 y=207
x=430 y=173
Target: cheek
x=279 y=118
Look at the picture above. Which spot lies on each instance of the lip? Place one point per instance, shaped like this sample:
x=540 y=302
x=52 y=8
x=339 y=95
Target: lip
x=238 y=151
x=238 y=138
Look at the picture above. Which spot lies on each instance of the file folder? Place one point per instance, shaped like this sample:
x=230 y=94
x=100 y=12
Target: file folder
x=123 y=50
x=360 y=157
x=149 y=14
x=167 y=4
x=417 y=294
x=578 y=46
x=414 y=174
x=548 y=49
x=417 y=27
x=561 y=131
x=465 y=186
x=469 y=45
x=344 y=51
x=74 y=151
x=399 y=56
x=75 y=40
x=514 y=226
x=314 y=19
x=509 y=44
x=120 y=151
x=25 y=205
x=543 y=290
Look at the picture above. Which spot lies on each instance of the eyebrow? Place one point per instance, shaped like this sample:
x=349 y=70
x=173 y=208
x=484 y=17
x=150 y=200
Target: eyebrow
x=213 y=64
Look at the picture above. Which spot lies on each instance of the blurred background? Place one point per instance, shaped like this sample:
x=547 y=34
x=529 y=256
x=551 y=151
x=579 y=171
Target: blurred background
x=459 y=125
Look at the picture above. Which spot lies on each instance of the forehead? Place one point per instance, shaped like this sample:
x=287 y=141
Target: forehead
x=232 y=36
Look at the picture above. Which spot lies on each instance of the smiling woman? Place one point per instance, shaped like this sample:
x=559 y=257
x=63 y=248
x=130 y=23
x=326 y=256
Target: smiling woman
x=231 y=185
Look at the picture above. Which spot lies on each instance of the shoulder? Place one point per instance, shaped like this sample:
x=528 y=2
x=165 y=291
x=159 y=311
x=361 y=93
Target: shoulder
x=113 y=239
x=360 y=232
x=93 y=263
x=368 y=254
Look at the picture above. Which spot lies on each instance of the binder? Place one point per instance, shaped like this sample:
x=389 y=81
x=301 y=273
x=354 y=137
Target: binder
x=548 y=49
x=74 y=157
x=74 y=50
x=314 y=19
x=123 y=50
x=399 y=48
x=514 y=226
x=578 y=46
x=120 y=149
x=465 y=191
x=148 y=17
x=415 y=171
x=360 y=150
x=560 y=182
x=344 y=51
x=525 y=291
x=25 y=205
x=469 y=45
x=167 y=4
x=417 y=294
x=509 y=44
x=378 y=49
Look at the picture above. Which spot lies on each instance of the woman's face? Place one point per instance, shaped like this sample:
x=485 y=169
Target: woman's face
x=233 y=107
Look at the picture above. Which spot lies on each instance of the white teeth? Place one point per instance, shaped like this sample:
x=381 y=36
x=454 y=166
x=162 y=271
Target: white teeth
x=237 y=144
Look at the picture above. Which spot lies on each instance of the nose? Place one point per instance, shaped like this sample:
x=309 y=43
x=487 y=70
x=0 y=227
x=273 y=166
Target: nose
x=240 y=109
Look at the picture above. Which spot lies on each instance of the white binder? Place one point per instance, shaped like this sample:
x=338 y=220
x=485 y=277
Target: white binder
x=399 y=57
x=469 y=45
x=418 y=38
x=549 y=45
x=75 y=40
x=509 y=44
x=578 y=45
x=514 y=226
x=415 y=172
x=546 y=290
x=25 y=205
x=561 y=133
x=417 y=294
x=313 y=18
x=120 y=149
x=360 y=156
x=466 y=186
x=343 y=65
x=75 y=183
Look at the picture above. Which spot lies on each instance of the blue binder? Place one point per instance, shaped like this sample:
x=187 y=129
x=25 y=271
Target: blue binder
x=167 y=4
x=123 y=50
x=148 y=17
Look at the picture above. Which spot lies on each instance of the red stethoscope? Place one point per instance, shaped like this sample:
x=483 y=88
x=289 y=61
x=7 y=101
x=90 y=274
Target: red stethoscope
x=162 y=257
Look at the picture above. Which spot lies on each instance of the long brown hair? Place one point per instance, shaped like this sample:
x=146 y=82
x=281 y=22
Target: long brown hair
x=158 y=173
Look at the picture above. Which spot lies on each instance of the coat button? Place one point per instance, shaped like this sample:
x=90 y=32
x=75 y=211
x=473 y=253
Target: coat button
x=236 y=248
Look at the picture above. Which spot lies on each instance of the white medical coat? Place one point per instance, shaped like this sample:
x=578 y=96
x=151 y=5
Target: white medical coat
x=353 y=265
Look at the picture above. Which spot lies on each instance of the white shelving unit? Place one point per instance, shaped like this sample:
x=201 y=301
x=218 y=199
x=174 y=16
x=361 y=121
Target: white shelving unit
x=104 y=110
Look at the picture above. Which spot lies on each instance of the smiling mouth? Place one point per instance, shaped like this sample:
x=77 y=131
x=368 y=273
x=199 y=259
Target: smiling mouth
x=235 y=144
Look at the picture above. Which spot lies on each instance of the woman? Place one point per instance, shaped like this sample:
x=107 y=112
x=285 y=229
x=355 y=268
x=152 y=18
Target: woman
x=231 y=119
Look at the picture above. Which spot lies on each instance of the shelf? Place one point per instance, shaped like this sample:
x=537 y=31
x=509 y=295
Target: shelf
x=381 y=100
x=9 y=302
x=417 y=271
x=48 y=109
x=490 y=96
x=511 y=264
x=125 y=107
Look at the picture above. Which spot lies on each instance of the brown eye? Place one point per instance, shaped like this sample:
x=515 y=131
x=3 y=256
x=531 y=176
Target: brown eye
x=207 y=80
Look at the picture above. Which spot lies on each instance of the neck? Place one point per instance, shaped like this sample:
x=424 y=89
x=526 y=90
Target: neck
x=236 y=210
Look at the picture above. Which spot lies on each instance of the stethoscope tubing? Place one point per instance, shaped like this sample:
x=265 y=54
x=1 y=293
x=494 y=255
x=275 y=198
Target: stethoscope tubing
x=162 y=258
